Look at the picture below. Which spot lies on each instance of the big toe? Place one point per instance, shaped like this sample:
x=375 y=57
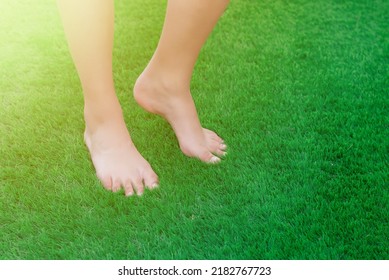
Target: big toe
x=208 y=157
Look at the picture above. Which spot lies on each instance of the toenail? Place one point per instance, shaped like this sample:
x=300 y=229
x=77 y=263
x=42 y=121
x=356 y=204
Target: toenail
x=214 y=159
x=155 y=185
x=224 y=154
x=223 y=146
x=129 y=194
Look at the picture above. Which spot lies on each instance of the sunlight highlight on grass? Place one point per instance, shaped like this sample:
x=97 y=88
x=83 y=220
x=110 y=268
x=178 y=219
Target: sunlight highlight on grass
x=297 y=88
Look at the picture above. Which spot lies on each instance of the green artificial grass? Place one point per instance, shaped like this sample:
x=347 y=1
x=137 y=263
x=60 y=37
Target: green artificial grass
x=299 y=91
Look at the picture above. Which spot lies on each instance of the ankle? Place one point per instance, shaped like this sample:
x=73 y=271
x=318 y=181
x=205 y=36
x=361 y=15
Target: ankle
x=97 y=114
x=163 y=80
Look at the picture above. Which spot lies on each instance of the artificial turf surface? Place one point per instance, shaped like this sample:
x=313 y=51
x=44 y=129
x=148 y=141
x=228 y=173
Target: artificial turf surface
x=299 y=91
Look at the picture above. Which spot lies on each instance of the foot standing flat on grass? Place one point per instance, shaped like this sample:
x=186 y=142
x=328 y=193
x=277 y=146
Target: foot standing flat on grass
x=89 y=26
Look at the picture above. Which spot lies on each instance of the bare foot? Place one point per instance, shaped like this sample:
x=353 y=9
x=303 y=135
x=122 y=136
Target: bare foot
x=117 y=162
x=175 y=104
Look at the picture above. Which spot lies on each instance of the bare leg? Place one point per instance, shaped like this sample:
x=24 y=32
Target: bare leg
x=89 y=26
x=164 y=86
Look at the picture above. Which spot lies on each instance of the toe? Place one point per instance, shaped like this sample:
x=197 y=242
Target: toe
x=106 y=181
x=213 y=145
x=212 y=135
x=116 y=185
x=216 y=148
x=207 y=156
x=128 y=189
x=220 y=153
x=137 y=184
x=214 y=160
x=151 y=180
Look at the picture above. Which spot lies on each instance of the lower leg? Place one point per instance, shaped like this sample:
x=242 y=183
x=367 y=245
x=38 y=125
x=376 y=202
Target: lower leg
x=164 y=86
x=89 y=28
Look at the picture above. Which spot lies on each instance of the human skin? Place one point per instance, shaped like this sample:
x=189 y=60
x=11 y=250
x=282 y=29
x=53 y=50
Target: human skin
x=163 y=88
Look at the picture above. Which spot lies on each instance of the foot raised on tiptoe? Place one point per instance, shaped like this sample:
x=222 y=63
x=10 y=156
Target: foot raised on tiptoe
x=174 y=102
